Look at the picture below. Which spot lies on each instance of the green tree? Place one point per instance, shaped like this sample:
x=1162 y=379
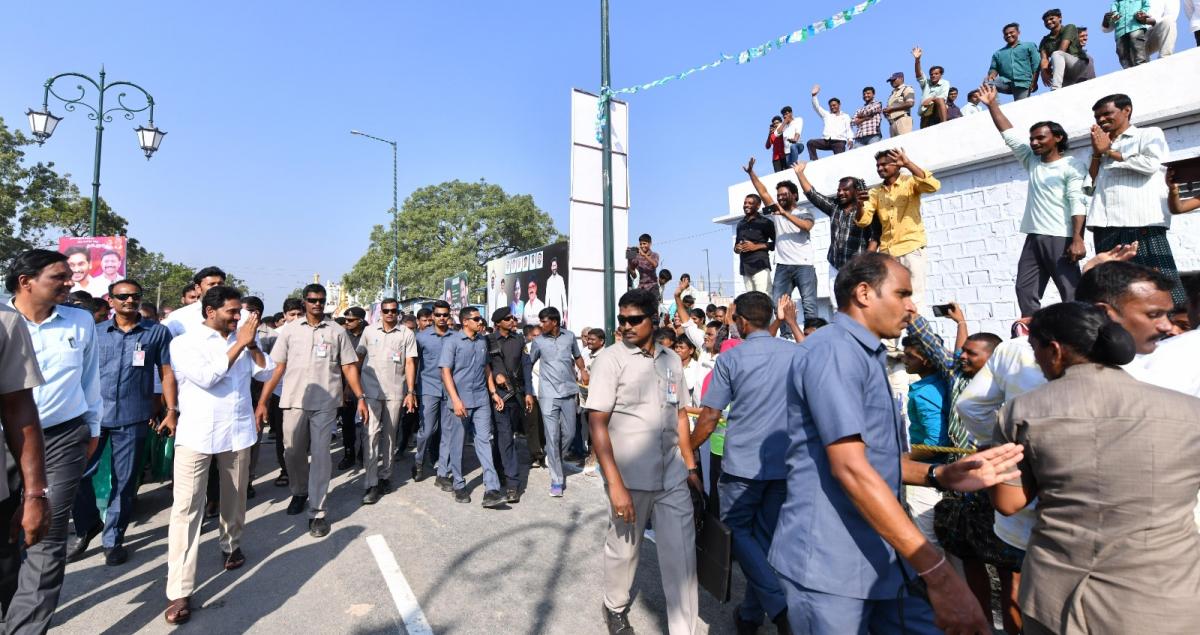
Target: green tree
x=448 y=228
x=25 y=190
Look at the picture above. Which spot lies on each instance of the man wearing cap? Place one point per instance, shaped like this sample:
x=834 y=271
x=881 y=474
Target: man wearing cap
x=899 y=105
x=506 y=348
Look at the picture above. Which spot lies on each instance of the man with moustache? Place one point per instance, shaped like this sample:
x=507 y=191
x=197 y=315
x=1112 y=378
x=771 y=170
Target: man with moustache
x=388 y=352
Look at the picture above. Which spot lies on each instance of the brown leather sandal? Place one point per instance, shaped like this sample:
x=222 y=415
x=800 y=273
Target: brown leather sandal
x=234 y=560
x=178 y=612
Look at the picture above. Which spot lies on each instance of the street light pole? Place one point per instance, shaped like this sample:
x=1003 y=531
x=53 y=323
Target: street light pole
x=610 y=304
x=393 y=281
x=707 y=276
x=43 y=123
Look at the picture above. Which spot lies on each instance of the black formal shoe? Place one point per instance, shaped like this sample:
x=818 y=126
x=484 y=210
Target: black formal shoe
x=115 y=556
x=493 y=498
x=618 y=623
x=297 y=505
x=250 y=492
x=385 y=485
x=461 y=496
x=346 y=463
x=372 y=495
x=512 y=495
x=444 y=483
x=418 y=473
x=318 y=527
x=79 y=544
x=743 y=627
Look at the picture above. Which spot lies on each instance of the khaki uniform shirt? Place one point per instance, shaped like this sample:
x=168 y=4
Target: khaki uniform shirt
x=314 y=358
x=383 y=354
x=644 y=427
x=18 y=367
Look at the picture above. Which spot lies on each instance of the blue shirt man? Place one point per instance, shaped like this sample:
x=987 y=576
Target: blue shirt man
x=435 y=409
x=467 y=378
x=127 y=363
x=843 y=527
x=751 y=380
x=558 y=350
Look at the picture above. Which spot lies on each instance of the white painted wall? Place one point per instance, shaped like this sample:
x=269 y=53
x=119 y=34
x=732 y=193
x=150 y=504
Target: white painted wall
x=972 y=223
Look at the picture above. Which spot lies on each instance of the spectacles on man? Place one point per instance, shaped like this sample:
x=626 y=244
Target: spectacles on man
x=127 y=296
x=389 y=311
x=441 y=315
x=475 y=318
x=631 y=320
x=315 y=300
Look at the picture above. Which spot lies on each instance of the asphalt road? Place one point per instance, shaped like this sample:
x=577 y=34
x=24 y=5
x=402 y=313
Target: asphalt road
x=534 y=567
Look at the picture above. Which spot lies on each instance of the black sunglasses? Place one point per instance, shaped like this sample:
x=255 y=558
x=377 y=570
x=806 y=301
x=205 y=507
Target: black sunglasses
x=127 y=296
x=437 y=315
x=315 y=300
x=475 y=318
x=631 y=320
x=389 y=311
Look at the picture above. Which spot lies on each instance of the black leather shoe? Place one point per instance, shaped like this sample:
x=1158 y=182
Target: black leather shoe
x=512 y=495
x=115 y=556
x=79 y=544
x=418 y=474
x=618 y=623
x=493 y=498
x=297 y=505
x=346 y=463
x=250 y=493
x=743 y=627
x=318 y=527
x=385 y=485
x=444 y=483
x=372 y=495
x=461 y=496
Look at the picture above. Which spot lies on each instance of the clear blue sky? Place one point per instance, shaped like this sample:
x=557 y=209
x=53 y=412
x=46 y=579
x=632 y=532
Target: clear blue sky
x=259 y=174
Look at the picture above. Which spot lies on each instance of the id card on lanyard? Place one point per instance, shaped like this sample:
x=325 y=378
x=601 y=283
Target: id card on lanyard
x=139 y=355
x=321 y=348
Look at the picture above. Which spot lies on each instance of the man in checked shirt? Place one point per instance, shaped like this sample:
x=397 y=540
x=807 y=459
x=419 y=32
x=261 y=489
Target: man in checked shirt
x=846 y=240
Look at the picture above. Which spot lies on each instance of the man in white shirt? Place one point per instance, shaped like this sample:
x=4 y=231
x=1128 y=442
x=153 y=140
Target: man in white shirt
x=793 y=246
x=1173 y=364
x=191 y=315
x=69 y=406
x=216 y=425
x=533 y=306
x=556 y=290
x=837 y=135
x=1054 y=208
x=793 y=127
x=1191 y=8
x=1129 y=194
x=1161 y=38
x=973 y=105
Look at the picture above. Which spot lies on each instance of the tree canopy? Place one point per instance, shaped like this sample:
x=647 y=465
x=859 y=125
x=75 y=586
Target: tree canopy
x=446 y=229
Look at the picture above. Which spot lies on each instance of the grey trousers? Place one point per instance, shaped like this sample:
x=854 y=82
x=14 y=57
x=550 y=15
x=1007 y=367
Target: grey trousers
x=675 y=538
x=453 y=436
x=381 y=433
x=307 y=434
x=41 y=576
x=1042 y=260
x=1065 y=69
x=558 y=419
x=1131 y=49
x=435 y=412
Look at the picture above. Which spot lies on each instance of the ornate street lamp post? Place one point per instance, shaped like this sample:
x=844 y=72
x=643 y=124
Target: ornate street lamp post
x=393 y=281
x=42 y=123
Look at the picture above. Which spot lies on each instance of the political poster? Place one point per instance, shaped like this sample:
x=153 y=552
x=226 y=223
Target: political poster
x=456 y=292
x=530 y=281
x=95 y=262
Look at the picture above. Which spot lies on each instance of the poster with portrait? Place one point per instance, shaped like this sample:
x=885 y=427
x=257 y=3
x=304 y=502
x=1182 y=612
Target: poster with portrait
x=456 y=292
x=529 y=281
x=95 y=262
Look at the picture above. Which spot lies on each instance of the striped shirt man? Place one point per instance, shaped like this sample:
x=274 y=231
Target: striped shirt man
x=1131 y=192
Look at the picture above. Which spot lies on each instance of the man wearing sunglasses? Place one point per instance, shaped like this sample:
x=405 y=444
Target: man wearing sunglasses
x=318 y=354
x=640 y=431
x=389 y=367
x=435 y=410
x=130 y=350
x=354 y=321
x=559 y=353
x=468 y=381
x=506 y=350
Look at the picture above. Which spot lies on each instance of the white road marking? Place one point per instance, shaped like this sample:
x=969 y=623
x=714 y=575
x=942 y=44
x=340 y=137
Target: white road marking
x=402 y=594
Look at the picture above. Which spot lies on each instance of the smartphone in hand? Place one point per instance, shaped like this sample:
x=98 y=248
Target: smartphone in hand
x=941 y=310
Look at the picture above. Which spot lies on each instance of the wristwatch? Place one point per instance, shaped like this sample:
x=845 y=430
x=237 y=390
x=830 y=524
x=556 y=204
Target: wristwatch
x=931 y=479
x=43 y=493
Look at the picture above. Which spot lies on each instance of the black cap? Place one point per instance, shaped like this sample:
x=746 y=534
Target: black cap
x=500 y=314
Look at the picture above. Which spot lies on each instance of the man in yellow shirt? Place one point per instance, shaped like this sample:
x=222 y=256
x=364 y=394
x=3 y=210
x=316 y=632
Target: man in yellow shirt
x=897 y=203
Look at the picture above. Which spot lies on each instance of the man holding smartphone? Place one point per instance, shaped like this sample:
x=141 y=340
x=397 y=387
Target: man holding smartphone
x=1128 y=19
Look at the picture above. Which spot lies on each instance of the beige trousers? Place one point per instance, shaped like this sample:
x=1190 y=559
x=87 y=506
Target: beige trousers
x=187 y=512
x=381 y=435
x=308 y=433
x=760 y=281
x=675 y=538
x=918 y=267
x=901 y=125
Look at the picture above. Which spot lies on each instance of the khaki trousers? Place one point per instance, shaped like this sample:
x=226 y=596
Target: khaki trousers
x=900 y=125
x=187 y=512
x=675 y=538
x=381 y=435
x=917 y=266
x=307 y=435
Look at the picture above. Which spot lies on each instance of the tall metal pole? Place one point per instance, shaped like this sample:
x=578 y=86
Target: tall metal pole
x=610 y=301
x=394 y=278
x=707 y=276
x=96 y=167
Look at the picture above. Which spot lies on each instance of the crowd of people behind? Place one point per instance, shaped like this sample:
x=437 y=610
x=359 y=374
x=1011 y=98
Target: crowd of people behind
x=1141 y=28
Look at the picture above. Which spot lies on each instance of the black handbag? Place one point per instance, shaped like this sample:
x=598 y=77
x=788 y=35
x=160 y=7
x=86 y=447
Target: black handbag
x=714 y=551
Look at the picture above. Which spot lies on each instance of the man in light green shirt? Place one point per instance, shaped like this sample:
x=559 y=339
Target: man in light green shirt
x=1054 y=208
x=935 y=90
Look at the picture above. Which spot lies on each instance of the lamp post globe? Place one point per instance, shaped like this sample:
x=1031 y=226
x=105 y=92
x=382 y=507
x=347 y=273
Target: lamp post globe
x=42 y=124
x=149 y=139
